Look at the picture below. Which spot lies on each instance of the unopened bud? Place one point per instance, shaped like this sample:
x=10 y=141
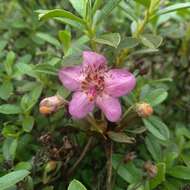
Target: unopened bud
x=129 y=157
x=51 y=104
x=144 y=109
x=151 y=169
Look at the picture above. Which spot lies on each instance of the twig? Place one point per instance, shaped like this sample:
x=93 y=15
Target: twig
x=109 y=167
x=85 y=150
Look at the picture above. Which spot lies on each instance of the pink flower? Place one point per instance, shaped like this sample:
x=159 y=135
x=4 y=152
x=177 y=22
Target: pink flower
x=93 y=84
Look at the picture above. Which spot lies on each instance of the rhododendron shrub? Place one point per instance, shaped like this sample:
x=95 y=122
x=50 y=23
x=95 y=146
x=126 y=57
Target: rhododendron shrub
x=94 y=94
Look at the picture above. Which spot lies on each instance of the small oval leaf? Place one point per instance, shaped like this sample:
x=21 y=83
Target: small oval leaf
x=9 y=109
x=112 y=39
x=76 y=185
x=12 y=178
x=120 y=137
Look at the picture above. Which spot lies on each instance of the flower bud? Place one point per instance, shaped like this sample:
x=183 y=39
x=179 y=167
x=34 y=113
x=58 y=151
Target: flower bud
x=151 y=169
x=144 y=109
x=129 y=157
x=51 y=104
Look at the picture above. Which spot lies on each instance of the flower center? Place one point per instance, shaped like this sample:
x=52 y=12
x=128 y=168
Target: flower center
x=93 y=83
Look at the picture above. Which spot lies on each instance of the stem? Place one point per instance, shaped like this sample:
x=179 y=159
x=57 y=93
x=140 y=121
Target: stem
x=85 y=150
x=142 y=25
x=93 y=45
x=109 y=167
x=91 y=34
x=127 y=111
x=129 y=120
x=120 y=127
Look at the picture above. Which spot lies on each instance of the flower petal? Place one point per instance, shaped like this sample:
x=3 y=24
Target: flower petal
x=80 y=105
x=93 y=60
x=110 y=106
x=119 y=82
x=70 y=77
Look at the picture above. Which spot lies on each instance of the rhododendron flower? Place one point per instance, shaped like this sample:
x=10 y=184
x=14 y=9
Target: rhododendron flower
x=94 y=84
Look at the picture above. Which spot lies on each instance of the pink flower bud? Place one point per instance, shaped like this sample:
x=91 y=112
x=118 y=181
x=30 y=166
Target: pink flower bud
x=51 y=104
x=129 y=157
x=144 y=109
x=151 y=169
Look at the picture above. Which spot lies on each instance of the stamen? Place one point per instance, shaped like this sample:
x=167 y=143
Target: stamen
x=90 y=98
x=93 y=82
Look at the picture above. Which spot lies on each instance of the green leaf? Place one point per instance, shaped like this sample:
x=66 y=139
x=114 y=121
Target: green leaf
x=62 y=91
x=12 y=178
x=80 y=6
x=107 y=9
x=9 y=109
x=3 y=44
x=30 y=183
x=9 y=62
x=6 y=90
x=153 y=147
x=151 y=41
x=120 y=137
x=23 y=166
x=26 y=69
x=70 y=22
x=173 y=8
x=47 y=14
x=128 y=42
x=128 y=11
x=182 y=130
x=145 y=90
x=48 y=38
x=10 y=131
x=157 y=128
x=129 y=172
x=144 y=51
x=65 y=38
x=160 y=177
x=28 y=123
x=154 y=5
x=46 y=69
x=171 y=154
x=111 y=39
x=172 y=184
x=135 y=186
x=96 y=5
x=76 y=185
x=30 y=99
x=156 y=97
x=145 y=3
x=9 y=148
x=180 y=172
x=161 y=80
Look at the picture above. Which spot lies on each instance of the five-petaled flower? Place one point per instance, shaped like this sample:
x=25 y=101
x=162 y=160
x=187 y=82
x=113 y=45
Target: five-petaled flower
x=94 y=84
